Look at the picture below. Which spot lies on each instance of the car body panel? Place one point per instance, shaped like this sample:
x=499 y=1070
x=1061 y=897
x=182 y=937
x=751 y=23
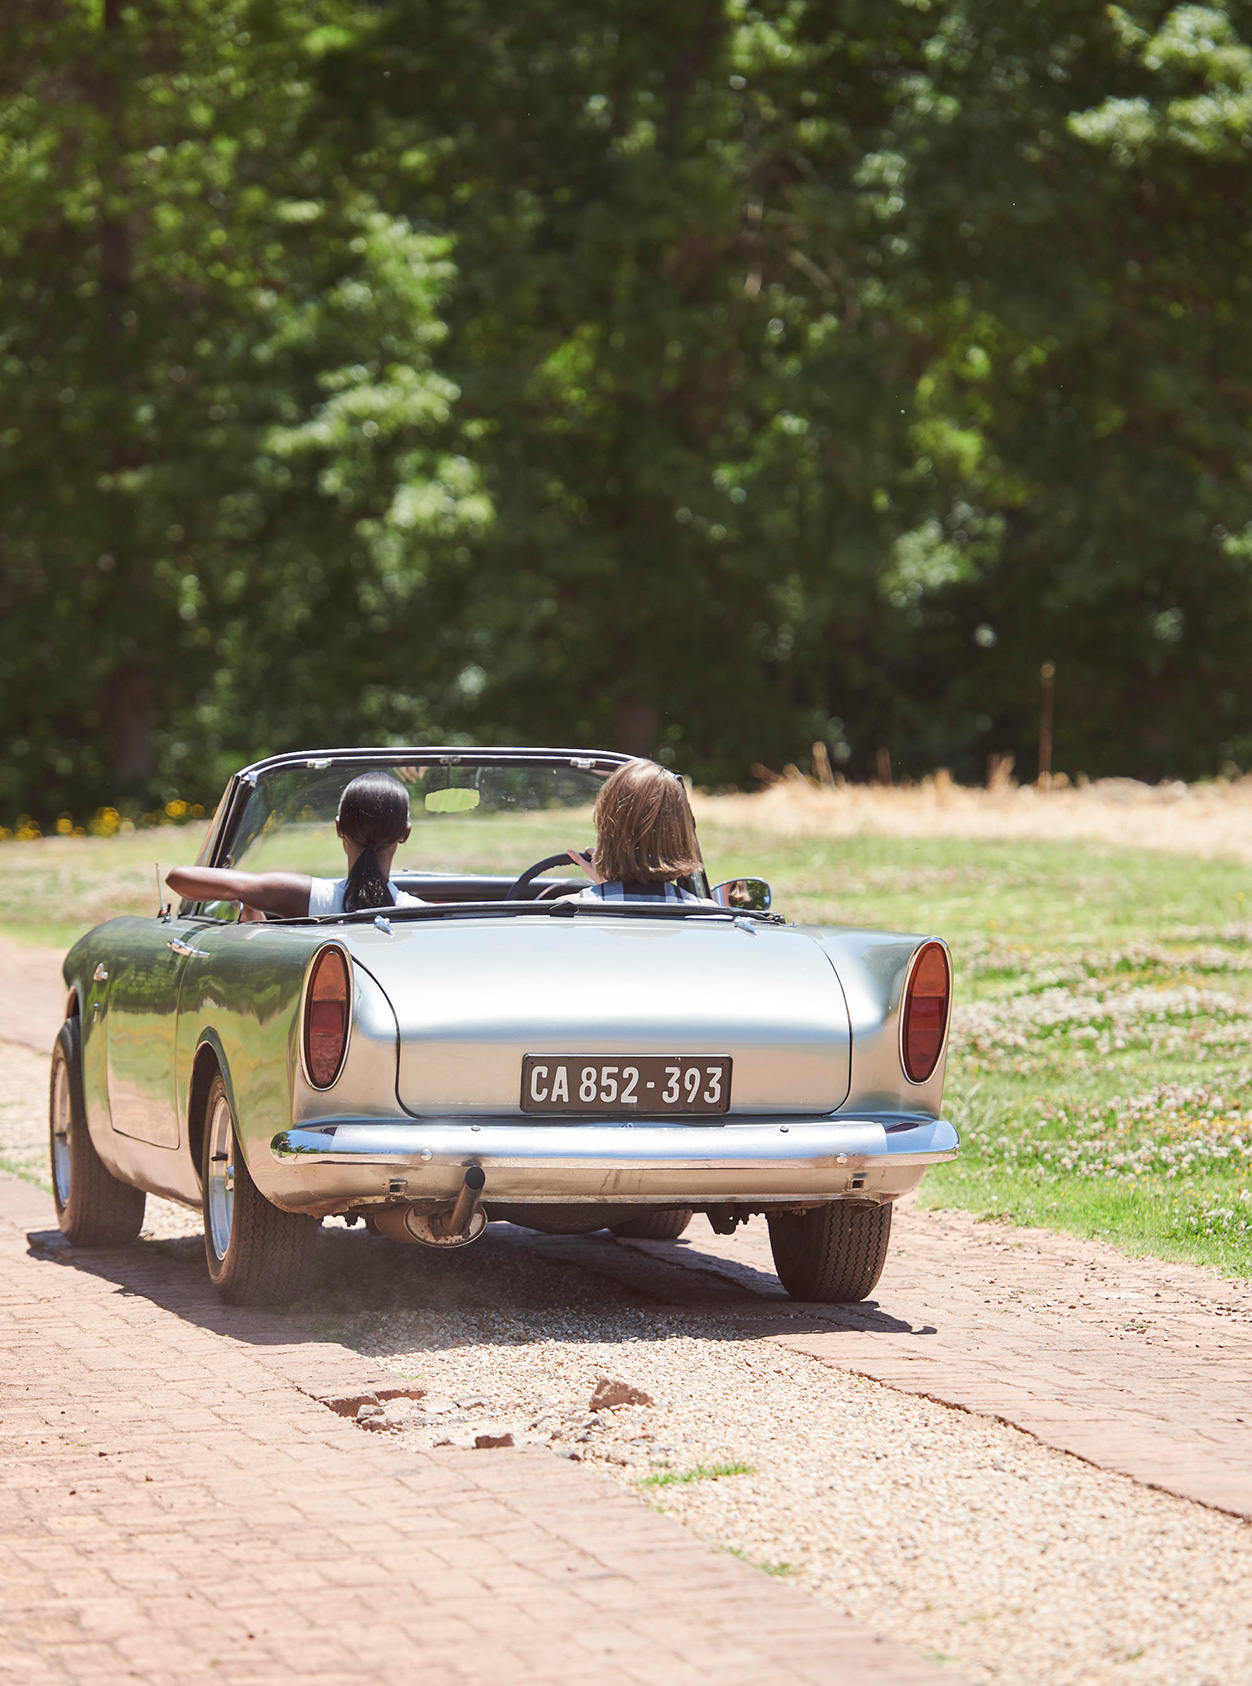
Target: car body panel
x=142 y=994
x=472 y=1000
x=873 y=967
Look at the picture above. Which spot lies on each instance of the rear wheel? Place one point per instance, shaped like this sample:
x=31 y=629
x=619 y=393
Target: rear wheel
x=665 y=1225
x=834 y=1255
x=94 y=1209
x=257 y=1254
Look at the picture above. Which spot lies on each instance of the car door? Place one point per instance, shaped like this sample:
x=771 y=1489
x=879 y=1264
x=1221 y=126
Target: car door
x=145 y=973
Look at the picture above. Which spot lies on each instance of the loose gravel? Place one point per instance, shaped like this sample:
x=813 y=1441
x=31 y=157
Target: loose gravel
x=961 y=1536
x=958 y=1535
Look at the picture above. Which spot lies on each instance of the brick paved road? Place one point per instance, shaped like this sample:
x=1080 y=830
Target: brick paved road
x=174 y=1509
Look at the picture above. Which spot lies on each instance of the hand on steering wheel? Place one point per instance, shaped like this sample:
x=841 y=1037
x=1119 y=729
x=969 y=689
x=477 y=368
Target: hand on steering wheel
x=532 y=872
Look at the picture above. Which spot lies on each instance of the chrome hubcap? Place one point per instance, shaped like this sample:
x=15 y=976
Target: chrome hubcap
x=221 y=1190
x=61 y=1127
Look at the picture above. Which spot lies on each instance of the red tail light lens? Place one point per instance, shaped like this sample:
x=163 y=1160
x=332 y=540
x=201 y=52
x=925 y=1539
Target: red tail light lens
x=926 y=1011
x=326 y=1017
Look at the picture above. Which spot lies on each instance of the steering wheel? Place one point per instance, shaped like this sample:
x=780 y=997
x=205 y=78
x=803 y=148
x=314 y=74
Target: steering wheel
x=532 y=872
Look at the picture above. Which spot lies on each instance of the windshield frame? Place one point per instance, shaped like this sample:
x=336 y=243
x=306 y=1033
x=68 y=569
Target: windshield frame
x=219 y=843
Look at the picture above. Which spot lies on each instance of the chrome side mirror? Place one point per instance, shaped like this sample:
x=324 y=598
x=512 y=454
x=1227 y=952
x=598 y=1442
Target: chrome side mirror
x=740 y=894
x=226 y=912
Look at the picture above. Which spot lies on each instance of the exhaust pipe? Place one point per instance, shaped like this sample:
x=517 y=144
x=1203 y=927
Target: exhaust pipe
x=468 y=1202
x=451 y=1226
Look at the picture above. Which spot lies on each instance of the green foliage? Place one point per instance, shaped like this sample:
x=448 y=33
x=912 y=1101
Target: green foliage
x=703 y=380
x=228 y=455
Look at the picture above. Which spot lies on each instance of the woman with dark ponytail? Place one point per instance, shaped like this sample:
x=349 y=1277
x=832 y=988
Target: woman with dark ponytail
x=372 y=822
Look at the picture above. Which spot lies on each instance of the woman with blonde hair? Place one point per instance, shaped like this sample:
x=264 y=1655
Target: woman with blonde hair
x=645 y=838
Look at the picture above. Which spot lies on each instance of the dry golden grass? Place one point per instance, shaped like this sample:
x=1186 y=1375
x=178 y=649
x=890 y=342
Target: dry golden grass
x=1212 y=821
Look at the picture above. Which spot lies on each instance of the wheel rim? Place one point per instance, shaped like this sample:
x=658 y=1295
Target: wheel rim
x=221 y=1200
x=62 y=1126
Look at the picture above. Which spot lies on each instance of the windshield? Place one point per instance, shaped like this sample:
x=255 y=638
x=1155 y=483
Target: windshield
x=465 y=818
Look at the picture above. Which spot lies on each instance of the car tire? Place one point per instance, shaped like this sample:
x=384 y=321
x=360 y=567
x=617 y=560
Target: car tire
x=833 y=1255
x=665 y=1225
x=256 y=1253
x=94 y=1209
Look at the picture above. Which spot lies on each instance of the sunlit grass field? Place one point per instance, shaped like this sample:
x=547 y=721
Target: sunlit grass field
x=1101 y=1070
x=1101 y=1065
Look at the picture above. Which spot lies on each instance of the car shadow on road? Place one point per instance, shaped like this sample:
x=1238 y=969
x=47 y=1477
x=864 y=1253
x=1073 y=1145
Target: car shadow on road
x=512 y=1287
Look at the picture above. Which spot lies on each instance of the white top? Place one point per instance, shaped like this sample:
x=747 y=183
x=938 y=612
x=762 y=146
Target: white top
x=326 y=896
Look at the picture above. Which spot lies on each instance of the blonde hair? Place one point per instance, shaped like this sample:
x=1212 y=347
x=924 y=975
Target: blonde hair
x=644 y=830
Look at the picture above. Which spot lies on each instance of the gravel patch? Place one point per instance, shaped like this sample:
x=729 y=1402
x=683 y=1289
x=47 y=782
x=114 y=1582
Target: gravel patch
x=960 y=1536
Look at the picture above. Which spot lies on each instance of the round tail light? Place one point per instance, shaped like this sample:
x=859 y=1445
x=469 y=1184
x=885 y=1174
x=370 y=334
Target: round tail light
x=326 y=1017
x=926 y=1004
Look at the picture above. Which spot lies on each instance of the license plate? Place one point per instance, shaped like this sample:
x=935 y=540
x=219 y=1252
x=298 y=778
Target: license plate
x=625 y=1083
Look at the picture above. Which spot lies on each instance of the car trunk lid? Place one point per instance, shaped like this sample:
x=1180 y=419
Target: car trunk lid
x=473 y=996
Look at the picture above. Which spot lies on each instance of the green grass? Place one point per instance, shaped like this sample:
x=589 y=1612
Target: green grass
x=54 y=889
x=1101 y=1065
x=21 y=1168
x=1101 y=1069
x=701 y=1472
x=1038 y=894
x=1206 y=1222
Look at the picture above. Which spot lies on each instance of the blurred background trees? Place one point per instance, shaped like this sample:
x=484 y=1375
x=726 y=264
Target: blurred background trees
x=702 y=380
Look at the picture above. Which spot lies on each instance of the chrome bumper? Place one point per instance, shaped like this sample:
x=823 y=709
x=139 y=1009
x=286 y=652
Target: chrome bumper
x=340 y=1163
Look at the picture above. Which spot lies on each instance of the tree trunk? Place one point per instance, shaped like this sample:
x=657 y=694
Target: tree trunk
x=130 y=735
x=636 y=725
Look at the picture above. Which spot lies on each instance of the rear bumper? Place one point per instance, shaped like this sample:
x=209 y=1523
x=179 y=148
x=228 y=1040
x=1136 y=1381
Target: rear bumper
x=341 y=1163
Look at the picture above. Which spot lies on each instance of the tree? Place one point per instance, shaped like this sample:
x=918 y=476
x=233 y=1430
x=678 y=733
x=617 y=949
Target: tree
x=699 y=380
x=1059 y=190
x=813 y=380
x=639 y=390
x=226 y=440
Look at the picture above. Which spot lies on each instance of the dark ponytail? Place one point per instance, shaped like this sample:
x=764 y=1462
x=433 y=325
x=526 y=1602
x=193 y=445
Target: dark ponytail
x=373 y=814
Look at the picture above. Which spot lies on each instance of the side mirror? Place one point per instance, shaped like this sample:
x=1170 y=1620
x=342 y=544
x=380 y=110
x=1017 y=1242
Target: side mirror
x=227 y=912
x=738 y=894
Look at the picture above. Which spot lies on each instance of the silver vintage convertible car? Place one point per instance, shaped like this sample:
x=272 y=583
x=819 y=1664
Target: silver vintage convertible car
x=502 y=1052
